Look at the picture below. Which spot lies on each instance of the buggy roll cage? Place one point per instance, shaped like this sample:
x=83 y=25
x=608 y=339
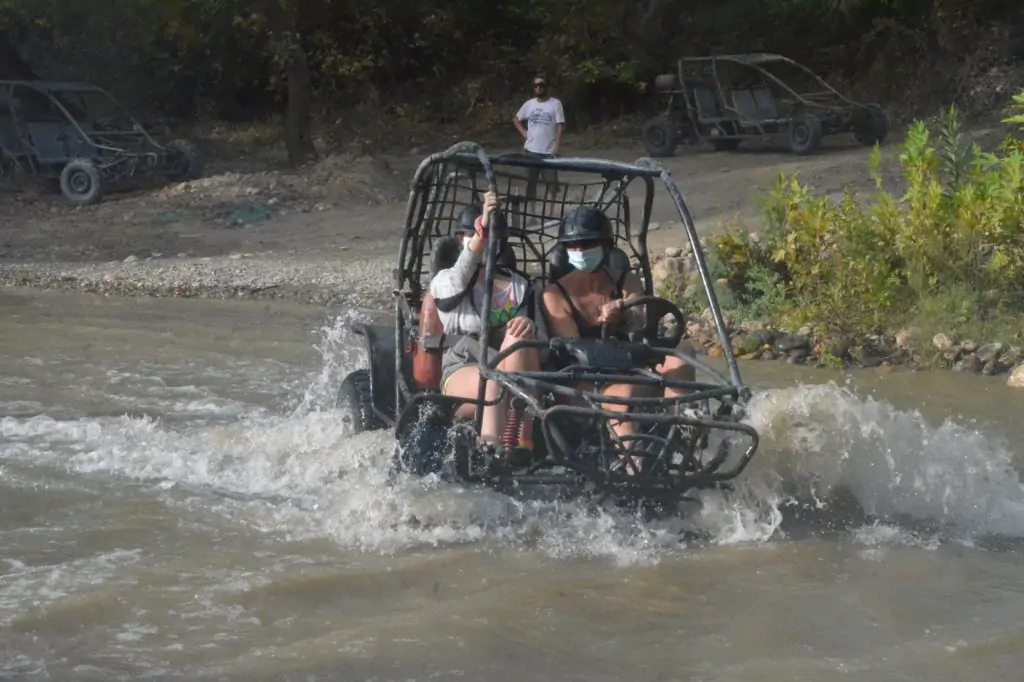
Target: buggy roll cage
x=755 y=61
x=470 y=160
x=49 y=89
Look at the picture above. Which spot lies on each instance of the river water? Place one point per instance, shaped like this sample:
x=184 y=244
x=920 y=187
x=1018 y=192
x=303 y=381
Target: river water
x=177 y=501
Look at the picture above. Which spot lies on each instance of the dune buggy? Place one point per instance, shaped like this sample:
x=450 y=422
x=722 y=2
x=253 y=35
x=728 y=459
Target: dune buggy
x=80 y=140
x=703 y=445
x=730 y=98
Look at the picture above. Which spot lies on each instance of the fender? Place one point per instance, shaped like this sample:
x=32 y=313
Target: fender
x=426 y=363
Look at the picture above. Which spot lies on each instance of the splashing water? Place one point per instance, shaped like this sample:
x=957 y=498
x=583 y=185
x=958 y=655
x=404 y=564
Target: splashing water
x=302 y=476
x=823 y=439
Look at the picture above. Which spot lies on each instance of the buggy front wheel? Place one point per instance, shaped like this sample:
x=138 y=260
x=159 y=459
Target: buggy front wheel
x=873 y=128
x=186 y=163
x=355 y=401
x=81 y=183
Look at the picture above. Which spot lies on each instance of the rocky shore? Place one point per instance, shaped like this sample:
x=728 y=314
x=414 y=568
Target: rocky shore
x=676 y=277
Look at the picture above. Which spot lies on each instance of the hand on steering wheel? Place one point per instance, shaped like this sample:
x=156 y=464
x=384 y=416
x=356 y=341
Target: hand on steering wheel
x=657 y=309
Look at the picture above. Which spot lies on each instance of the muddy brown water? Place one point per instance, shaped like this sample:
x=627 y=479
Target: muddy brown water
x=171 y=508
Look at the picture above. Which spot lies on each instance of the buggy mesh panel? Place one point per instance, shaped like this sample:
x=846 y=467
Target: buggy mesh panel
x=533 y=201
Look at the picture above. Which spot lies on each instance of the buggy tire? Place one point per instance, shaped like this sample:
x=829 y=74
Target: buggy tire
x=423 y=447
x=804 y=134
x=875 y=127
x=81 y=183
x=191 y=167
x=355 y=401
x=659 y=137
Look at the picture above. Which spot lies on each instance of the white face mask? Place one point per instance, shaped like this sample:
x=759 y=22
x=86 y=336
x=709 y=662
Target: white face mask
x=587 y=260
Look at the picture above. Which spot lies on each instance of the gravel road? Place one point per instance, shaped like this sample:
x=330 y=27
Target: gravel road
x=348 y=283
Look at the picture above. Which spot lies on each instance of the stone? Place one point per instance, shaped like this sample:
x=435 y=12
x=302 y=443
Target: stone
x=744 y=344
x=1016 y=378
x=797 y=356
x=751 y=356
x=673 y=252
x=751 y=325
x=792 y=342
x=952 y=354
x=905 y=338
x=989 y=351
x=131 y=259
x=1011 y=356
x=109 y=278
x=693 y=329
x=716 y=351
x=768 y=354
x=763 y=337
x=991 y=368
x=970 y=346
x=941 y=342
x=970 y=363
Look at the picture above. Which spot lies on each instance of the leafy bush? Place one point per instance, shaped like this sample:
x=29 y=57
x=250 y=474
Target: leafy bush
x=868 y=265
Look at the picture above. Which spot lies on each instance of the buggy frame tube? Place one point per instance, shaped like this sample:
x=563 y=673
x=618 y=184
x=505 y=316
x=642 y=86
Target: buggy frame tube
x=702 y=268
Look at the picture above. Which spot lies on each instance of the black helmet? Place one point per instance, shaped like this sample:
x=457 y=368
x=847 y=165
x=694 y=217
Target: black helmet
x=467 y=218
x=467 y=221
x=585 y=224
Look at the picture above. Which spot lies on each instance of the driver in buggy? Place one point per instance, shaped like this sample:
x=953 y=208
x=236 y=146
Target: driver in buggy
x=458 y=293
x=592 y=294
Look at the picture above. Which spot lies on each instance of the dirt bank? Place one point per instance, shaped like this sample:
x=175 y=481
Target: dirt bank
x=333 y=226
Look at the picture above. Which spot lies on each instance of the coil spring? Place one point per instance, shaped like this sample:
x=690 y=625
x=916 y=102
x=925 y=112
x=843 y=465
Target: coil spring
x=510 y=438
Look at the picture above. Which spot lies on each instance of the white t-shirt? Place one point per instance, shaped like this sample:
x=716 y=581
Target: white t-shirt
x=542 y=119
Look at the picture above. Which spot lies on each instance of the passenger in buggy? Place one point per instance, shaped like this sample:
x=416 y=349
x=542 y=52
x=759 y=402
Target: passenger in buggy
x=458 y=293
x=599 y=280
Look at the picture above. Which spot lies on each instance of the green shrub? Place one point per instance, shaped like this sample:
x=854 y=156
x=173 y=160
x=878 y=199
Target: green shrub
x=869 y=264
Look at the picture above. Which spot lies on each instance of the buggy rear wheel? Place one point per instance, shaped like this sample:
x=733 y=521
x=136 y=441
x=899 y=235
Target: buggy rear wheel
x=80 y=182
x=659 y=137
x=873 y=128
x=355 y=401
x=186 y=163
x=804 y=135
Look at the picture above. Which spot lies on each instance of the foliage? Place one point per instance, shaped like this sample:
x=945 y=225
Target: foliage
x=951 y=242
x=230 y=58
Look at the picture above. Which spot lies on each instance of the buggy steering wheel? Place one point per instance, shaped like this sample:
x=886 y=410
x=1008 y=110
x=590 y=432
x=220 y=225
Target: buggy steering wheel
x=657 y=308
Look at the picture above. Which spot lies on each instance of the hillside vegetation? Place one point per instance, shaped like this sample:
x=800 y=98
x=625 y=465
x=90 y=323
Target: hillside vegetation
x=353 y=63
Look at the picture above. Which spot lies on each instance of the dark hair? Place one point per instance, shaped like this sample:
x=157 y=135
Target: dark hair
x=540 y=75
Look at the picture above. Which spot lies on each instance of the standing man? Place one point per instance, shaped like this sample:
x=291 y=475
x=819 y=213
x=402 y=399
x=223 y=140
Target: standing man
x=545 y=123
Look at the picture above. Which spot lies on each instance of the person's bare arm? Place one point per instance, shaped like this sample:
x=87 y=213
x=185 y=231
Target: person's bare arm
x=635 y=318
x=559 y=127
x=519 y=126
x=518 y=118
x=559 y=317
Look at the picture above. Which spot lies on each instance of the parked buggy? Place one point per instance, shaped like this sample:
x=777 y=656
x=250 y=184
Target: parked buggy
x=726 y=99
x=704 y=445
x=78 y=138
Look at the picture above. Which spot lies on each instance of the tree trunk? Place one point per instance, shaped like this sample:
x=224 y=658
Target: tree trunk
x=12 y=66
x=298 y=137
